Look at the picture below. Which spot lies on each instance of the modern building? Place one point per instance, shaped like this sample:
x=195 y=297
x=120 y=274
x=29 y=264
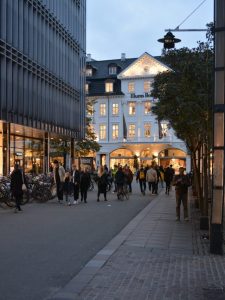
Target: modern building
x=122 y=118
x=42 y=78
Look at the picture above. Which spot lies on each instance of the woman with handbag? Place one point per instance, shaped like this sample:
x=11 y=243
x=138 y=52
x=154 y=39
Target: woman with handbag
x=17 y=186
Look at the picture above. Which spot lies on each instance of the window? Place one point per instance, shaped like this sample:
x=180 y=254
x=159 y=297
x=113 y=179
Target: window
x=115 y=131
x=102 y=132
x=147 y=129
x=147 y=107
x=88 y=72
x=109 y=87
x=131 y=88
x=131 y=131
x=102 y=109
x=115 y=109
x=147 y=86
x=164 y=129
x=131 y=108
x=112 y=70
x=86 y=88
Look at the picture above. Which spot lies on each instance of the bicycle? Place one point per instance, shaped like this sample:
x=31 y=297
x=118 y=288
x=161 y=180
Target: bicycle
x=123 y=192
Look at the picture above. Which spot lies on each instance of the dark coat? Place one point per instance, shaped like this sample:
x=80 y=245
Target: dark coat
x=16 y=183
x=102 y=183
x=85 y=180
x=120 y=177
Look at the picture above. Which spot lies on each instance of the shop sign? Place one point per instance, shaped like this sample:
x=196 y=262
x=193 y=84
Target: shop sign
x=19 y=154
x=140 y=96
x=86 y=160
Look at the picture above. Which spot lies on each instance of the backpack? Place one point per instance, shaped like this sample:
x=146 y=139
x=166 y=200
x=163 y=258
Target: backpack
x=142 y=174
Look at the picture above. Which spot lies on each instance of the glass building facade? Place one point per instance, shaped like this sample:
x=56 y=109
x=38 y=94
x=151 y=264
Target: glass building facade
x=42 y=79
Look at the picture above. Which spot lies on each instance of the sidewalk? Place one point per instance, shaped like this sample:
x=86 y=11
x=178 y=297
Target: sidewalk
x=153 y=257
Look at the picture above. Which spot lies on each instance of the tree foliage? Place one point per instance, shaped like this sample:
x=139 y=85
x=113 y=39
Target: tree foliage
x=89 y=143
x=185 y=93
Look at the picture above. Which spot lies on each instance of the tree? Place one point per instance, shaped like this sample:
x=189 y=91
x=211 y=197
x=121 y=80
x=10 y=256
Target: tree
x=185 y=96
x=88 y=144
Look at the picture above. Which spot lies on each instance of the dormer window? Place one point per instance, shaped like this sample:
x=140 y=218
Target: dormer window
x=109 y=87
x=89 y=71
x=112 y=70
x=86 y=88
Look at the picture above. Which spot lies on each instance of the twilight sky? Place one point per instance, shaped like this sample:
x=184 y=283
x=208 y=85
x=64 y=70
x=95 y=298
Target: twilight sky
x=133 y=26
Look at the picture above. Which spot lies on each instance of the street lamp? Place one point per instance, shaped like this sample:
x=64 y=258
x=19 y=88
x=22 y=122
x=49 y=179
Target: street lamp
x=169 y=40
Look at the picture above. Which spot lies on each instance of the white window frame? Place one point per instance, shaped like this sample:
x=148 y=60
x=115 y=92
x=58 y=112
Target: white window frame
x=131 y=131
x=131 y=87
x=102 y=132
x=145 y=130
x=115 y=109
x=131 y=108
x=102 y=109
x=147 y=86
x=109 y=87
x=146 y=112
x=112 y=70
x=115 y=131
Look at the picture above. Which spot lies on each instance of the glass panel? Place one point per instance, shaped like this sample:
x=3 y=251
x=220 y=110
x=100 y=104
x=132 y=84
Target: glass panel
x=217 y=206
x=218 y=168
x=218 y=130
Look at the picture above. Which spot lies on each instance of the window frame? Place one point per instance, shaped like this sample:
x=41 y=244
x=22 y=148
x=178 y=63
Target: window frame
x=102 y=132
x=112 y=70
x=115 y=108
x=131 y=136
x=107 y=84
x=147 y=90
x=131 y=90
x=114 y=130
x=145 y=108
x=102 y=109
x=129 y=108
x=150 y=127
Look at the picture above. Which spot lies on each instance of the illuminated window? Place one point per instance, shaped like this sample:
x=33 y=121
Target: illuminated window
x=164 y=129
x=102 y=132
x=147 y=107
x=86 y=88
x=147 y=85
x=131 y=131
x=115 y=109
x=115 y=131
x=147 y=129
x=102 y=109
x=112 y=70
x=131 y=88
x=109 y=87
x=88 y=72
x=131 y=108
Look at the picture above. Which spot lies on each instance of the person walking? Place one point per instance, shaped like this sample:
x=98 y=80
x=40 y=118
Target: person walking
x=67 y=187
x=76 y=184
x=129 y=175
x=161 y=170
x=17 y=181
x=141 y=177
x=120 y=180
x=59 y=178
x=181 y=183
x=102 y=182
x=85 y=180
x=151 y=177
x=168 y=177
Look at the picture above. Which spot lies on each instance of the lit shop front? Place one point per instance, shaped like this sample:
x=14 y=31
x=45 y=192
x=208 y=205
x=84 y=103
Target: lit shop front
x=32 y=149
x=174 y=157
x=122 y=157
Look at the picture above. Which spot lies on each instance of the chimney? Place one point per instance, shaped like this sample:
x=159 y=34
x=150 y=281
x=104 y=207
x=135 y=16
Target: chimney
x=123 y=56
x=88 y=57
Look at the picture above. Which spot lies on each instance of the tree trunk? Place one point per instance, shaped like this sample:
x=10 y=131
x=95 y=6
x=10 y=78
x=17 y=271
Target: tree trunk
x=197 y=181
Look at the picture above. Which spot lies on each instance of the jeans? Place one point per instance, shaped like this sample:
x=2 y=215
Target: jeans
x=142 y=185
x=181 y=197
x=151 y=187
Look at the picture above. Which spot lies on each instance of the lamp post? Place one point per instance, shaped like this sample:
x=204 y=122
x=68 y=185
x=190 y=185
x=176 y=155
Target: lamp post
x=169 y=40
x=216 y=228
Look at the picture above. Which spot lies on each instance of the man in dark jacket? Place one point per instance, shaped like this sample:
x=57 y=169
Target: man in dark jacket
x=76 y=184
x=85 y=179
x=181 y=183
x=120 y=180
x=168 y=177
x=17 y=180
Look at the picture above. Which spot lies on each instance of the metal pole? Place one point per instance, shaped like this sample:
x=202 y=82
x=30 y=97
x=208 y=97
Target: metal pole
x=216 y=226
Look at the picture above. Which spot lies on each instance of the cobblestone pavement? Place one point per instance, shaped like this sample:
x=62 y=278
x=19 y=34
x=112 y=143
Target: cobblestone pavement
x=155 y=258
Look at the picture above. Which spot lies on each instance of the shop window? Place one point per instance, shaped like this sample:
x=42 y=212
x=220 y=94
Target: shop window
x=131 y=108
x=115 y=109
x=131 y=87
x=102 y=109
x=147 y=107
